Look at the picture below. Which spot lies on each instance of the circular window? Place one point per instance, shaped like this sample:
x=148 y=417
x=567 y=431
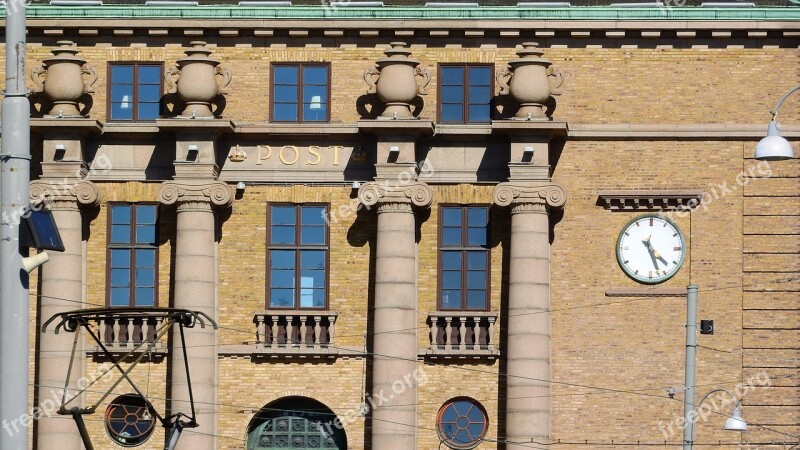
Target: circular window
x=128 y=422
x=461 y=423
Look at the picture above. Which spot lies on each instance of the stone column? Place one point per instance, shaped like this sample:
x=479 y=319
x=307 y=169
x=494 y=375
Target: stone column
x=528 y=334
x=394 y=388
x=195 y=275
x=61 y=290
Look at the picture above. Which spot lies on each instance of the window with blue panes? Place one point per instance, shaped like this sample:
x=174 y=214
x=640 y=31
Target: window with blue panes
x=135 y=91
x=465 y=93
x=464 y=258
x=300 y=92
x=298 y=257
x=132 y=254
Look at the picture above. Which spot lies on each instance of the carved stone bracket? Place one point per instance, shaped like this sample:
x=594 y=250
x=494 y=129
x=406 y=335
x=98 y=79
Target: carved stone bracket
x=649 y=200
x=64 y=194
x=549 y=195
x=200 y=193
x=417 y=193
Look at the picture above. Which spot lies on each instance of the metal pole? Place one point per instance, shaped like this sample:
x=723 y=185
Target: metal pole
x=691 y=354
x=14 y=177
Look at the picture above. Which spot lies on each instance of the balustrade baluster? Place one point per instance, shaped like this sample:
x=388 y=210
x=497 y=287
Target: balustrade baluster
x=317 y=328
x=463 y=333
x=490 y=334
x=331 y=322
x=260 y=329
x=108 y=330
x=448 y=335
x=273 y=339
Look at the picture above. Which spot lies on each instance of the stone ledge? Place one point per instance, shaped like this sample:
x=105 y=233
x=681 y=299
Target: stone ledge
x=81 y=124
x=649 y=200
x=260 y=352
x=291 y=129
x=646 y=292
x=511 y=126
x=390 y=126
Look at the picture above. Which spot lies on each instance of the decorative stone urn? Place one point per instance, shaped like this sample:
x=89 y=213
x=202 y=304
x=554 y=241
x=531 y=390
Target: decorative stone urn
x=528 y=80
x=63 y=80
x=394 y=79
x=194 y=78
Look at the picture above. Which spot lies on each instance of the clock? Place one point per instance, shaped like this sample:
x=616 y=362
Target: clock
x=651 y=249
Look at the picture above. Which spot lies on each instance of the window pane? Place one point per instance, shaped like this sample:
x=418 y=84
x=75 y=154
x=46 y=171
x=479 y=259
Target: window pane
x=315 y=75
x=312 y=259
x=476 y=260
x=146 y=214
x=120 y=297
x=451 y=260
x=149 y=93
x=284 y=94
x=478 y=113
x=312 y=236
x=480 y=95
x=451 y=299
x=283 y=215
x=120 y=214
x=312 y=298
x=149 y=111
x=452 y=75
x=452 y=94
x=476 y=279
x=121 y=111
x=281 y=298
x=282 y=235
x=476 y=299
x=480 y=76
x=315 y=113
x=312 y=279
x=120 y=258
x=120 y=277
x=120 y=234
x=150 y=75
x=476 y=236
x=281 y=278
x=281 y=259
x=145 y=278
x=452 y=113
x=122 y=93
x=145 y=296
x=285 y=112
x=146 y=234
x=145 y=258
x=285 y=75
x=312 y=215
x=451 y=279
x=451 y=217
x=477 y=217
x=451 y=236
x=121 y=73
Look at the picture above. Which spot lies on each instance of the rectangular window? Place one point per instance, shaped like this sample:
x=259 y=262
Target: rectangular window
x=465 y=93
x=134 y=91
x=464 y=258
x=300 y=92
x=132 y=254
x=298 y=257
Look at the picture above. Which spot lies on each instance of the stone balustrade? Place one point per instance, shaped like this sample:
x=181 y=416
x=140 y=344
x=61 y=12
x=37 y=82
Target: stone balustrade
x=462 y=334
x=293 y=329
x=121 y=333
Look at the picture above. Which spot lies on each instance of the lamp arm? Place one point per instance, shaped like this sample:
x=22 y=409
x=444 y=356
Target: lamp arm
x=736 y=402
x=774 y=112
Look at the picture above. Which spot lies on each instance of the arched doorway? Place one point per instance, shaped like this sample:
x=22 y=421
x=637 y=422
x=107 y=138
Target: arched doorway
x=296 y=423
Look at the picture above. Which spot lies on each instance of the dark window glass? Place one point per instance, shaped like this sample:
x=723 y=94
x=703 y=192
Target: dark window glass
x=128 y=421
x=300 y=93
x=465 y=94
x=132 y=254
x=135 y=91
x=462 y=423
x=464 y=258
x=298 y=257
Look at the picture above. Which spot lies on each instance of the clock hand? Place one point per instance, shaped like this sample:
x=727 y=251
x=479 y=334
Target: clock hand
x=651 y=251
x=659 y=257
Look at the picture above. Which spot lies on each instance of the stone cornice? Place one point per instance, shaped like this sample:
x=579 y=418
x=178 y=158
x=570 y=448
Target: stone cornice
x=184 y=192
x=415 y=192
x=649 y=200
x=516 y=193
x=69 y=193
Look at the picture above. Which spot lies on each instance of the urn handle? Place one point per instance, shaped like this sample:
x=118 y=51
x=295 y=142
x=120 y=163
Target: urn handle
x=371 y=76
x=503 y=77
x=426 y=79
x=171 y=77
x=559 y=78
x=88 y=69
x=226 y=79
x=36 y=75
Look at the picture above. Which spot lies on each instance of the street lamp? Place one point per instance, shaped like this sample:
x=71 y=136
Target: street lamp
x=732 y=423
x=774 y=147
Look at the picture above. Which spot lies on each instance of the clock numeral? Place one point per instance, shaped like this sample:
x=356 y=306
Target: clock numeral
x=627 y=234
x=624 y=247
x=675 y=235
x=677 y=249
x=675 y=262
x=650 y=274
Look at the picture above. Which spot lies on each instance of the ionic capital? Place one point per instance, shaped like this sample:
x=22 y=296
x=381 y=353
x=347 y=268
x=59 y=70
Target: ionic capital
x=64 y=194
x=415 y=192
x=195 y=194
x=546 y=195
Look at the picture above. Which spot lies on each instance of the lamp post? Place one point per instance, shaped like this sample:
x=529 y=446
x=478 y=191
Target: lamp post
x=732 y=423
x=774 y=147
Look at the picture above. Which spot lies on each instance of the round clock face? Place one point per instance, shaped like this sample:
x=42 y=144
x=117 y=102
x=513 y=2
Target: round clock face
x=650 y=249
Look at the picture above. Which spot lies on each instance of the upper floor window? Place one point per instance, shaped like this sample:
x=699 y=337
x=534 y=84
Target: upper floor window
x=300 y=92
x=464 y=258
x=298 y=257
x=465 y=93
x=134 y=91
x=132 y=254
